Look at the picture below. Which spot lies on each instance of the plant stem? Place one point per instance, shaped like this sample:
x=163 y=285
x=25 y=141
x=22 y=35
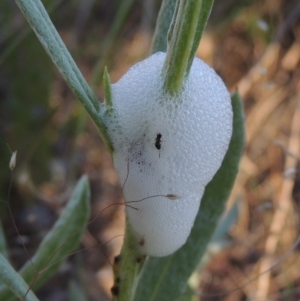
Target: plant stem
x=130 y=265
x=189 y=23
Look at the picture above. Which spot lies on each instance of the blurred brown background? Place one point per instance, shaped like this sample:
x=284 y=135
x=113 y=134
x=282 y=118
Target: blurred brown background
x=253 y=45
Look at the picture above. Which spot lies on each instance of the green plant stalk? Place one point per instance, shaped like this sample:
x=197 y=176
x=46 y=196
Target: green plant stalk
x=37 y=17
x=167 y=12
x=130 y=265
x=129 y=268
x=189 y=23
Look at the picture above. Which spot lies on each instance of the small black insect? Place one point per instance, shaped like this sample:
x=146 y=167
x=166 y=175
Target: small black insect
x=117 y=260
x=142 y=241
x=158 y=141
x=115 y=290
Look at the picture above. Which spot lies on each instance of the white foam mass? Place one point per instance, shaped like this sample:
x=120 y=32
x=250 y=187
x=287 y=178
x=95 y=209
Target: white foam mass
x=195 y=129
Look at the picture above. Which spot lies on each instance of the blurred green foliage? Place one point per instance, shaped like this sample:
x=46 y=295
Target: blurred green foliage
x=26 y=75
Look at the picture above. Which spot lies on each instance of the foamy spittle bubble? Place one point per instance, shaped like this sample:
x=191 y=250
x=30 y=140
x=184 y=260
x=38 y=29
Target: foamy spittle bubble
x=167 y=145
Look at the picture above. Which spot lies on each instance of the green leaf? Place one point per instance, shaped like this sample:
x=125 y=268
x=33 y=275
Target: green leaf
x=187 y=28
x=163 y=22
x=14 y=281
x=60 y=241
x=107 y=89
x=37 y=17
x=220 y=239
x=206 y=7
x=227 y=221
x=165 y=278
x=188 y=295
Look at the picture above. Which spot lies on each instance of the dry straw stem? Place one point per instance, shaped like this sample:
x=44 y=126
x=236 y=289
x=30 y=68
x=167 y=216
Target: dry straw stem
x=263 y=126
x=283 y=208
x=255 y=74
x=262 y=111
x=271 y=54
x=270 y=100
x=292 y=57
x=259 y=114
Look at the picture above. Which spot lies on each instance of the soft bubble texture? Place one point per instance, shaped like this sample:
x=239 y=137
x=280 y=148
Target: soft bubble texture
x=195 y=129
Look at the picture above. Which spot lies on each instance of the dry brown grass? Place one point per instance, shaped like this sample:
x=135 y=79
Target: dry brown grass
x=269 y=221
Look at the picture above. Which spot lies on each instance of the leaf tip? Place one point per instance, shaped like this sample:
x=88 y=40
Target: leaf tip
x=107 y=88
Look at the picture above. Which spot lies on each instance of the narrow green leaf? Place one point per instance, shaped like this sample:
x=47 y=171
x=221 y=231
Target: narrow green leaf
x=227 y=221
x=37 y=17
x=3 y=245
x=166 y=12
x=107 y=89
x=187 y=28
x=14 y=281
x=60 y=241
x=165 y=278
x=188 y=295
x=180 y=45
x=206 y=7
x=220 y=239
